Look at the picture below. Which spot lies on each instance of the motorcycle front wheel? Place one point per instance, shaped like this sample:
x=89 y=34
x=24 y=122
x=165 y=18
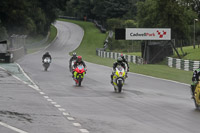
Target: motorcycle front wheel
x=79 y=81
x=119 y=86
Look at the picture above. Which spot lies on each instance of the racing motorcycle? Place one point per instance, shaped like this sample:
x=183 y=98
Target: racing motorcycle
x=197 y=95
x=79 y=73
x=119 y=78
x=46 y=63
x=71 y=68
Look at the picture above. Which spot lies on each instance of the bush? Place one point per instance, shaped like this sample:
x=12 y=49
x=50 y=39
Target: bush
x=114 y=23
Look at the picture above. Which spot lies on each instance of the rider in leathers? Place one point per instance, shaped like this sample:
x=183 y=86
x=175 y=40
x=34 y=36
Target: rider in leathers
x=119 y=62
x=125 y=61
x=195 y=79
x=79 y=61
x=46 y=55
x=74 y=57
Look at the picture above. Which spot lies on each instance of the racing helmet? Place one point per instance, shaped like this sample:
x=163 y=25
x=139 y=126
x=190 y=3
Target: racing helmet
x=74 y=55
x=79 y=58
x=119 y=59
x=122 y=56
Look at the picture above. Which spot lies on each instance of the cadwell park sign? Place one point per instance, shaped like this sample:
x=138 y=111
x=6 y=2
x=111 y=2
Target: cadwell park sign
x=143 y=34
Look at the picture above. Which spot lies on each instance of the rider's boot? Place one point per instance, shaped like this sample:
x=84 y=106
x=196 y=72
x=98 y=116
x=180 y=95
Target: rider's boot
x=192 y=90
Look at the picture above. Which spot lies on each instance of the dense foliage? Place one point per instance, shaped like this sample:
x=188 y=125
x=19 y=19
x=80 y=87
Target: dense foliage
x=36 y=16
x=28 y=16
x=178 y=15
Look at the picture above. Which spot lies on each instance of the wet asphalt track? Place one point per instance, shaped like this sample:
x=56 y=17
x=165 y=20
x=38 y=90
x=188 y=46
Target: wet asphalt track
x=146 y=104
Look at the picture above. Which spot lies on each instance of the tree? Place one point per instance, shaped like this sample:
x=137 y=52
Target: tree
x=29 y=16
x=165 y=14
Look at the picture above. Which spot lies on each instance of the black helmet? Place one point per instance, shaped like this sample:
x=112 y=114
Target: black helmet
x=47 y=53
x=74 y=55
x=119 y=59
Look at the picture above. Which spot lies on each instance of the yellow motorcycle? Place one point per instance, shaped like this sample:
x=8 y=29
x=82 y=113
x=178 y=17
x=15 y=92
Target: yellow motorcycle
x=119 y=78
x=197 y=95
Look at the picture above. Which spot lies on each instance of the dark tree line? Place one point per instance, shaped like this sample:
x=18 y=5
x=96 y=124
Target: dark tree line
x=175 y=14
x=36 y=16
x=28 y=16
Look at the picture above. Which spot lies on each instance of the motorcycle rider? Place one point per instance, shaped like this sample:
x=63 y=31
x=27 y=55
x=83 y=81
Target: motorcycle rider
x=125 y=61
x=115 y=64
x=195 y=79
x=78 y=61
x=45 y=56
x=74 y=57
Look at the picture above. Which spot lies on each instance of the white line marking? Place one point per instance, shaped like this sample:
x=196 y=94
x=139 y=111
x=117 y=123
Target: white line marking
x=70 y=118
x=46 y=97
x=58 y=106
x=12 y=128
x=32 y=86
x=36 y=87
x=53 y=102
x=65 y=114
x=61 y=109
x=84 y=130
x=160 y=78
x=50 y=100
x=42 y=93
x=77 y=124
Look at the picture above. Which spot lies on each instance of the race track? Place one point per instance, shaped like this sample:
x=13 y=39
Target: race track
x=147 y=105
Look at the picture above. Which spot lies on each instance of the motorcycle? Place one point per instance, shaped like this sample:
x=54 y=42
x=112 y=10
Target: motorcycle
x=46 y=63
x=71 y=67
x=119 y=78
x=79 y=73
x=197 y=96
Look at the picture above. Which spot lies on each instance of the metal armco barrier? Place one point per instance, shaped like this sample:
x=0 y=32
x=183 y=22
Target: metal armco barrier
x=187 y=65
x=113 y=55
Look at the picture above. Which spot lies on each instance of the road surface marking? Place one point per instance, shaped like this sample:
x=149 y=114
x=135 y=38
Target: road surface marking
x=12 y=128
x=61 y=109
x=84 y=130
x=50 y=100
x=70 y=118
x=35 y=86
x=53 y=102
x=58 y=106
x=46 y=97
x=65 y=114
x=42 y=93
x=77 y=124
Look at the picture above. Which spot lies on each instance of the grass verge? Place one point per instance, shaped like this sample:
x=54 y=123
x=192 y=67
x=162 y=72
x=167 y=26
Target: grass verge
x=192 y=54
x=93 y=39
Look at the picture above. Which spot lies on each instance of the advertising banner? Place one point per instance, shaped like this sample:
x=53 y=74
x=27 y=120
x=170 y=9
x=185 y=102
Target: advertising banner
x=148 y=34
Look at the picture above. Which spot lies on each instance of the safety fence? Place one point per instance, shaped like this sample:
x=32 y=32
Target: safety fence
x=113 y=55
x=187 y=65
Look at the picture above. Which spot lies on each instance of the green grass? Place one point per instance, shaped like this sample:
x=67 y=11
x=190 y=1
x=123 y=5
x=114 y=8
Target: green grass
x=93 y=39
x=192 y=54
x=134 y=53
x=34 y=48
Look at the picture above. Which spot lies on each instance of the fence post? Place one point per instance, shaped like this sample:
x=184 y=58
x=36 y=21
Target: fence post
x=186 y=65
